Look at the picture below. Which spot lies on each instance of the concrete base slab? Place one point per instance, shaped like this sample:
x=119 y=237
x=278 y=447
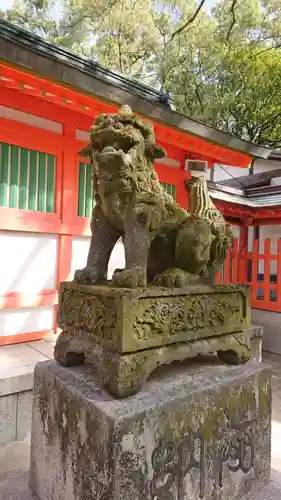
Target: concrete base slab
x=14 y=459
x=200 y=432
x=16 y=488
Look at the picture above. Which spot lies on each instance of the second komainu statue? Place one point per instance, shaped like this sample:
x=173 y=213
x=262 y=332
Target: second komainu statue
x=165 y=305
x=163 y=243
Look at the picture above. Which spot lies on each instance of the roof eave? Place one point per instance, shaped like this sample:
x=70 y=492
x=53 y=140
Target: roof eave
x=89 y=76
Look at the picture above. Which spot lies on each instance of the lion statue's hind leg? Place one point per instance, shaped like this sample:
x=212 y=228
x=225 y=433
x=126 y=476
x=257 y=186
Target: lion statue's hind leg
x=192 y=253
x=175 y=278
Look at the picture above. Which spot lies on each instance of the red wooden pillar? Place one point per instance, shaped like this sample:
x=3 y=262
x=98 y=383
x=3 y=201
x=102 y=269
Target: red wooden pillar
x=234 y=262
x=69 y=176
x=255 y=264
x=69 y=200
x=278 y=284
x=211 y=167
x=243 y=252
x=226 y=268
x=266 y=279
x=182 y=194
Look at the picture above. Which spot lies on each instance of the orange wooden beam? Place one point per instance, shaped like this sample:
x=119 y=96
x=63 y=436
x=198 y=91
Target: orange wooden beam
x=84 y=104
x=15 y=300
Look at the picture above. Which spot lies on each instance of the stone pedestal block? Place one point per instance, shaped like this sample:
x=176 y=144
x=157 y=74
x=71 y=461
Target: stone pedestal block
x=127 y=333
x=197 y=431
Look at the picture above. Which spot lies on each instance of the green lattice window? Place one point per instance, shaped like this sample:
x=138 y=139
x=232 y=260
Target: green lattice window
x=170 y=189
x=85 y=190
x=27 y=179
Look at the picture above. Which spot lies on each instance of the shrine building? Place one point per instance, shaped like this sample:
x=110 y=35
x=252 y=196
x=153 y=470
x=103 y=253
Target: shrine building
x=49 y=98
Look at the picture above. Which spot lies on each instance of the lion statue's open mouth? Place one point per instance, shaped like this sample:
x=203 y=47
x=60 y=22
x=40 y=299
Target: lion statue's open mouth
x=122 y=132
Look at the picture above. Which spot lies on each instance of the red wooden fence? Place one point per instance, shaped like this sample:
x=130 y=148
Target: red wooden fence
x=262 y=271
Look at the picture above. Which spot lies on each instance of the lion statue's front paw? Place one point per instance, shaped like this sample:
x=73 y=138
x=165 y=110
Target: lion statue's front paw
x=87 y=275
x=129 y=277
x=175 y=278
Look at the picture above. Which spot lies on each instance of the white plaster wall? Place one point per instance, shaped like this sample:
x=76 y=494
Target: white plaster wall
x=225 y=173
x=207 y=175
x=29 y=119
x=82 y=135
x=276 y=181
x=117 y=259
x=169 y=162
x=235 y=231
x=26 y=320
x=80 y=248
x=250 y=238
x=28 y=262
x=266 y=165
x=274 y=233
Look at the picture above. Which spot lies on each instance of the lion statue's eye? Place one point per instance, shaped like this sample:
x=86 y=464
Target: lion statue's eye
x=108 y=122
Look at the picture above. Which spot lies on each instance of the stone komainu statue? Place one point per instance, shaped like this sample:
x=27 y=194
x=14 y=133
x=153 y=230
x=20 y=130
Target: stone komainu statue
x=163 y=243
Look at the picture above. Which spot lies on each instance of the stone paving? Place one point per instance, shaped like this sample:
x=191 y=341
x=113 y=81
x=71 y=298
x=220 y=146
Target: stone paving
x=14 y=457
x=17 y=364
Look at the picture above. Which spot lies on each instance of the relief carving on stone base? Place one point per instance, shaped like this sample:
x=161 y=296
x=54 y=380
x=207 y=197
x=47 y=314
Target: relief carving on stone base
x=186 y=313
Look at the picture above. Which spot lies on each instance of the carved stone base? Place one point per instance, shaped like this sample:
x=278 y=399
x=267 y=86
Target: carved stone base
x=126 y=333
x=200 y=431
x=124 y=374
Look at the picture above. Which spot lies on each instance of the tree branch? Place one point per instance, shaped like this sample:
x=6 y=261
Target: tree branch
x=78 y=21
x=98 y=12
x=136 y=58
x=256 y=54
x=199 y=98
x=188 y=22
x=233 y=21
x=271 y=119
x=119 y=45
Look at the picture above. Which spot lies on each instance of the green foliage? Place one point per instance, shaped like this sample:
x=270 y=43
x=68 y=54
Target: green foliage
x=222 y=67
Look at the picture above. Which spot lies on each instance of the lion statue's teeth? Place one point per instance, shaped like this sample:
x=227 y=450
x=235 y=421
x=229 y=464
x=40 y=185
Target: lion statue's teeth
x=108 y=149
